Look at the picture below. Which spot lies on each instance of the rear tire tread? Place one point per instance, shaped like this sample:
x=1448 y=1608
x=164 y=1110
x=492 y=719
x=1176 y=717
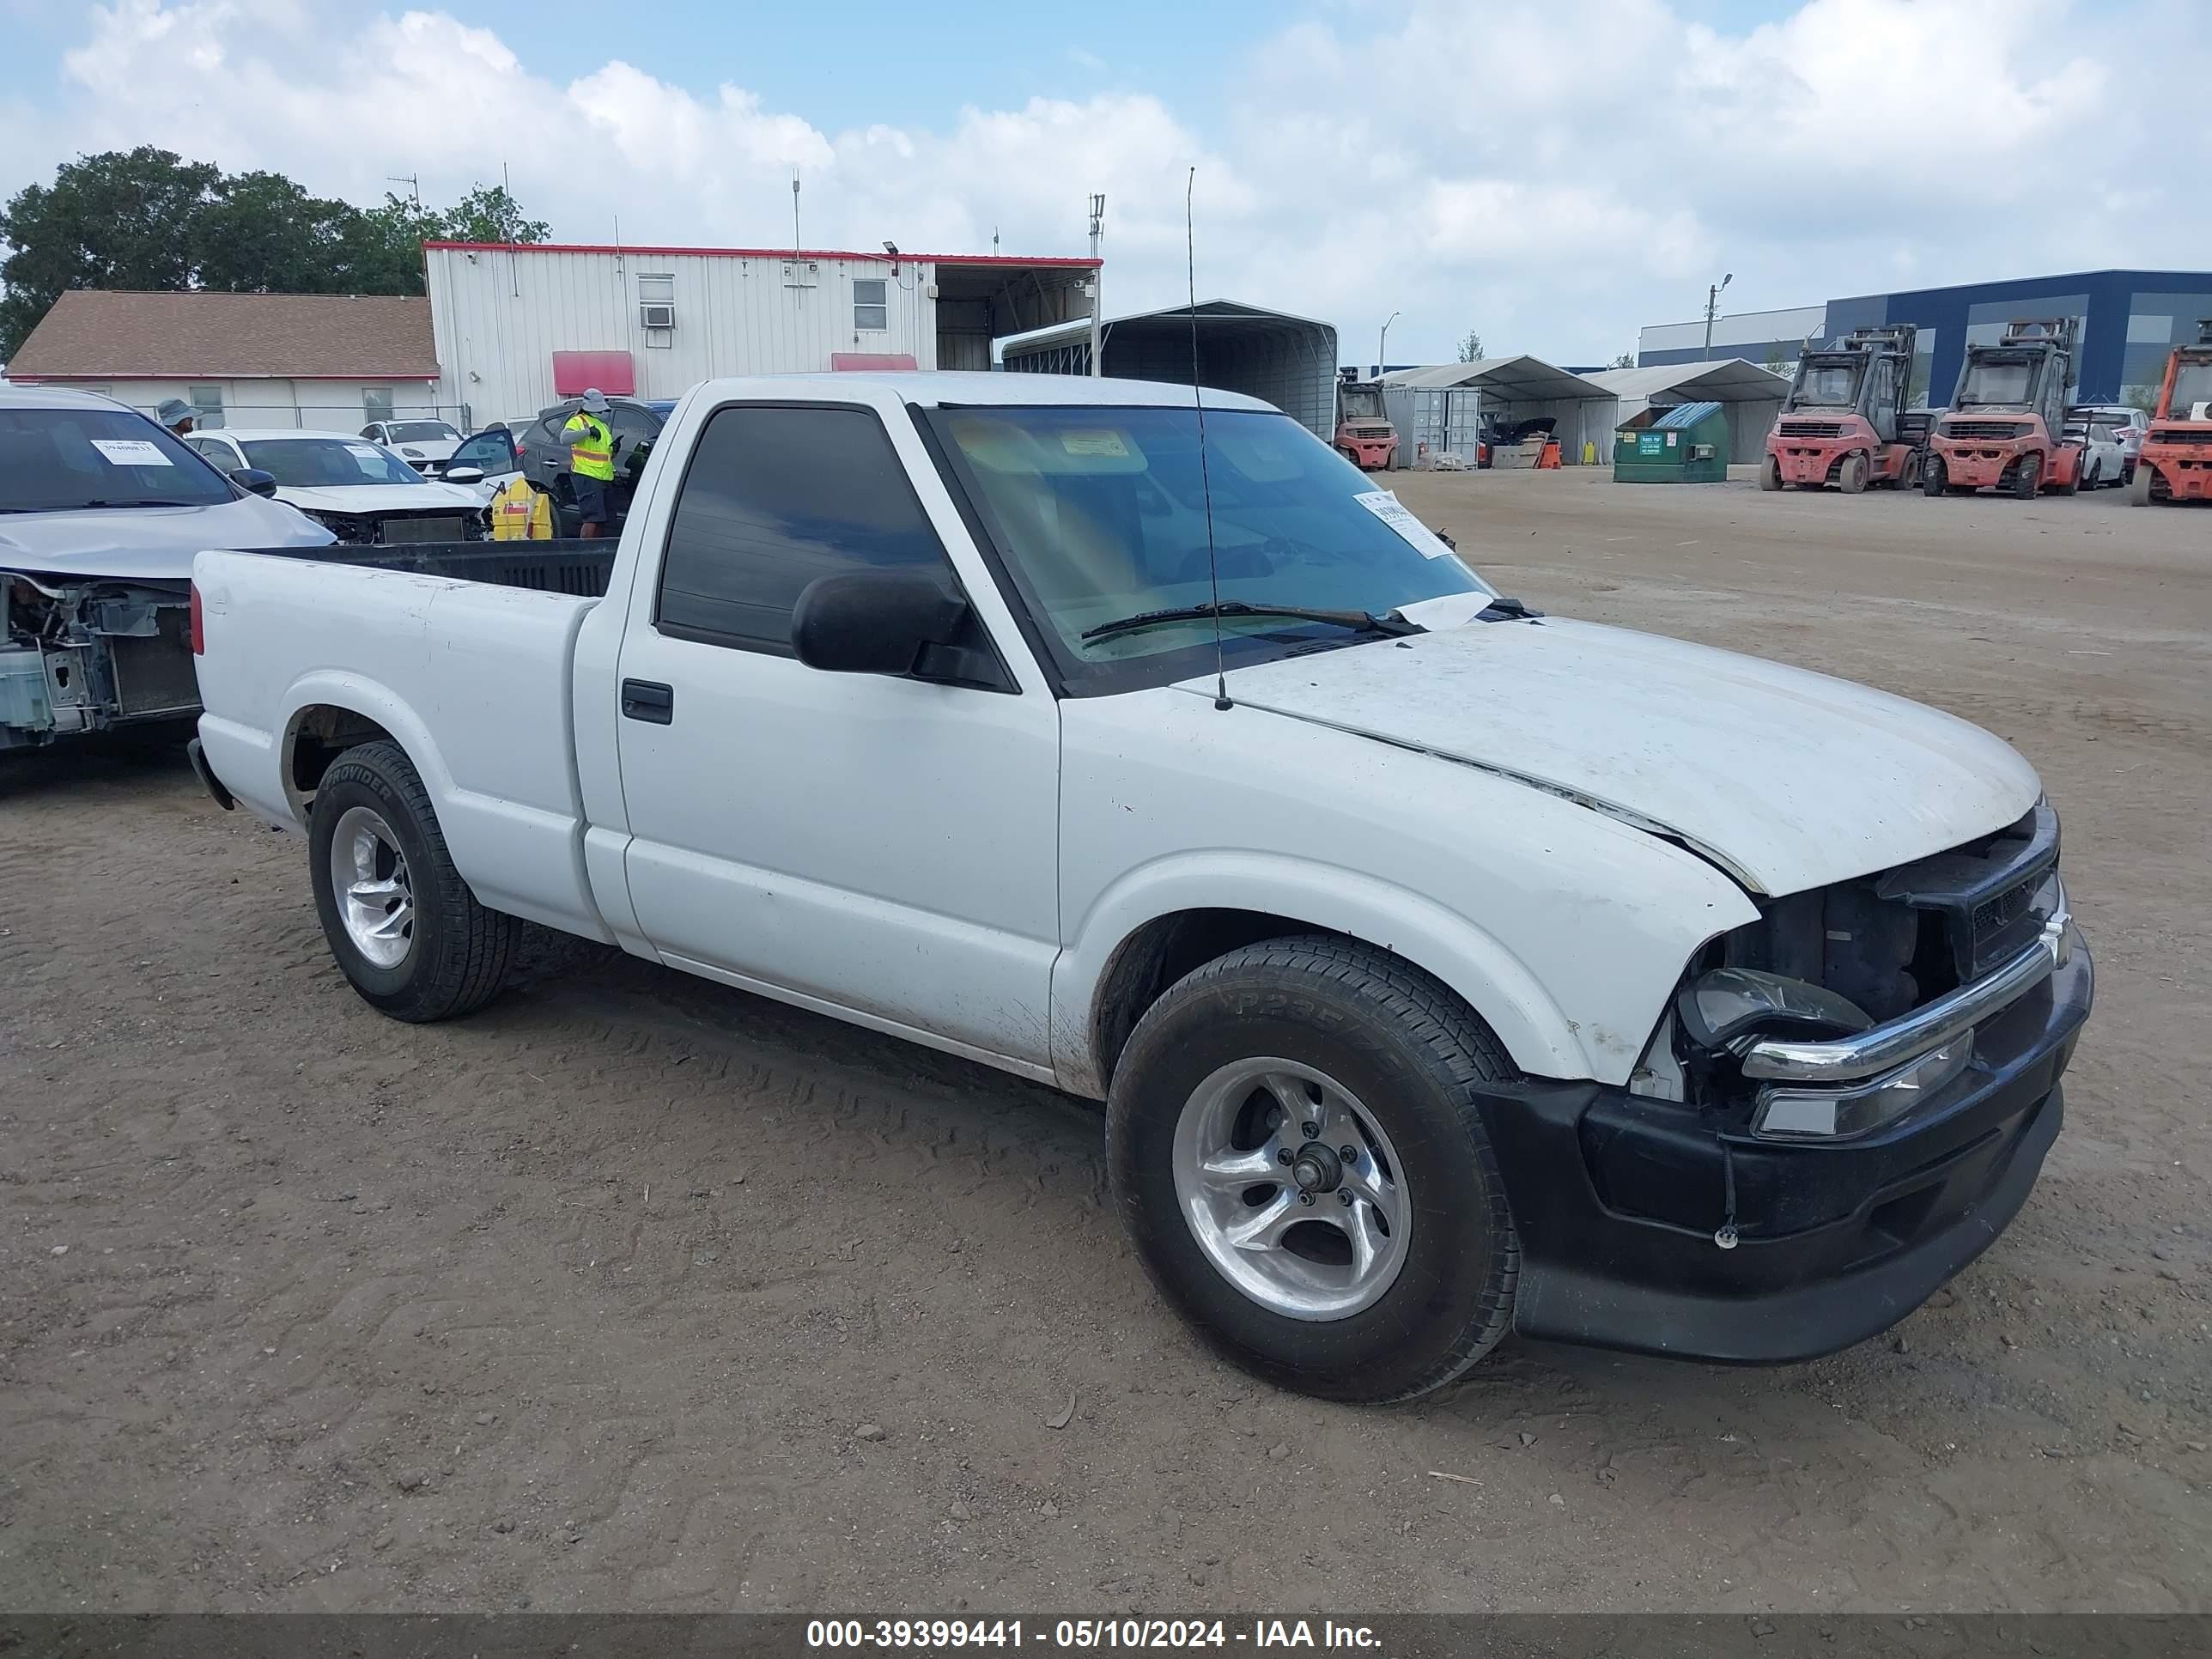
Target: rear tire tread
x=476 y=945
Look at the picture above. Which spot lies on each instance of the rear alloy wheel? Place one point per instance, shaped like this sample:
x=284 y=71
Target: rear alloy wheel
x=1296 y=1146
x=2026 y=475
x=407 y=932
x=1852 y=474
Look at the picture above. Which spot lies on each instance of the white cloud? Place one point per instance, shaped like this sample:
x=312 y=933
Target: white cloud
x=1552 y=175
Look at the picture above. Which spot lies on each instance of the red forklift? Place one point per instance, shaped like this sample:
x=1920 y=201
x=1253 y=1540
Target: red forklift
x=1844 y=421
x=2005 y=427
x=2175 y=463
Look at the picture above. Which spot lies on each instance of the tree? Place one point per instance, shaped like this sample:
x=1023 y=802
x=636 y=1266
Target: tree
x=1470 y=348
x=489 y=213
x=148 y=219
x=1627 y=360
x=122 y=220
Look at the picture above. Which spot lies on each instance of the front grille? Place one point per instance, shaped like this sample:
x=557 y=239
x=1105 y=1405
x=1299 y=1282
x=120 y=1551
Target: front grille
x=1811 y=428
x=153 y=672
x=2179 y=434
x=1997 y=430
x=453 y=528
x=1985 y=892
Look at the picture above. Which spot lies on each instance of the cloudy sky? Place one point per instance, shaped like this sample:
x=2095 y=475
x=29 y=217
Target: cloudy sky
x=1551 y=173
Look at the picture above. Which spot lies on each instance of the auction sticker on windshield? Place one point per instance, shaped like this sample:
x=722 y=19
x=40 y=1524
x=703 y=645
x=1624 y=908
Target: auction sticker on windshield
x=1393 y=512
x=1106 y=442
x=132 y=452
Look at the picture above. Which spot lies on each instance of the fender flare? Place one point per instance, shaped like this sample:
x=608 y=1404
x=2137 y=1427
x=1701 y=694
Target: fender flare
x=373 y=701
x=1474 y=963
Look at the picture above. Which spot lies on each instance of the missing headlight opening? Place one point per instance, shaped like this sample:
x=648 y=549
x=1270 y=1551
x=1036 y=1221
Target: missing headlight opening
x=1860 y=997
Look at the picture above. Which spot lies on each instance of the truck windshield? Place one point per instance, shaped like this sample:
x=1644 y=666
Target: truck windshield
x=1103 y=511
x=1360 y=404
x=2000 y=381
x=53 y=460
x=1827 y=384
x=325 y=463
x=2192 y=386
x=422 y=432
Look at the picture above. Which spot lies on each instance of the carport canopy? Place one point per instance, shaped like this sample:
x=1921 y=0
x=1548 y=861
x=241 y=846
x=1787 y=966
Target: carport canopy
x=1752 y=396
x=1508 y=379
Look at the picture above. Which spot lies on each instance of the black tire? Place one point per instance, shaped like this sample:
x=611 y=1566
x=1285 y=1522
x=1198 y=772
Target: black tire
x=1414 y=1054
x=1770 y=475
x=1851 y=476
x=2026 y=479
x=1932 y=477
x=458 y=958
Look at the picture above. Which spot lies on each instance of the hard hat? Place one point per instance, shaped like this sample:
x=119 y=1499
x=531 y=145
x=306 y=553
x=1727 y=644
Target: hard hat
x=173 y=409
x=595 y=400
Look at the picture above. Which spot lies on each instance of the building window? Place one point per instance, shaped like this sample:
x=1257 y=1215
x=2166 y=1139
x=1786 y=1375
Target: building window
x=657 y=289
x=872 y=311
x=207 y=406
x=376 y=402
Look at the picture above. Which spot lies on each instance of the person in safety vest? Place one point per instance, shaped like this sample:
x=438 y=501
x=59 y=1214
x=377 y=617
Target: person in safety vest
x=591 y=460
x=521 y=512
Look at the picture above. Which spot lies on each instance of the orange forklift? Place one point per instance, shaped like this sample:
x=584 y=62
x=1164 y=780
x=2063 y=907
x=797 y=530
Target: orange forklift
x=1844 y=422
x=2175 y=463
x=2004 y=428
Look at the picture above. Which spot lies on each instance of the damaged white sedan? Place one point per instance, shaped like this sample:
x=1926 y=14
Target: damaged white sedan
x=101 y=513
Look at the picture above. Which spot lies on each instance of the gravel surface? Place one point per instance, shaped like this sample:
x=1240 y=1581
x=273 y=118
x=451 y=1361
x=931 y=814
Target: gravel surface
x=635 y=1293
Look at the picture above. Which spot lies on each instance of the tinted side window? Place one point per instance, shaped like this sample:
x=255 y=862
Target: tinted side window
x=772 y=499
x=634 y=424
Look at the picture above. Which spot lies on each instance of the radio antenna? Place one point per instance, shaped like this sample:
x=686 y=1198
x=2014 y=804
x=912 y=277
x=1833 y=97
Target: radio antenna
x=1204 y=479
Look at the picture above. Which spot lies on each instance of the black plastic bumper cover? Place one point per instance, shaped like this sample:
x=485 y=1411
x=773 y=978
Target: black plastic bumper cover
x=206 y=775
x=1618 y=1198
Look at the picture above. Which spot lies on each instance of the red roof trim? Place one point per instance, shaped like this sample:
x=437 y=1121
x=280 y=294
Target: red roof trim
x=1048 y=262
x=371 y=375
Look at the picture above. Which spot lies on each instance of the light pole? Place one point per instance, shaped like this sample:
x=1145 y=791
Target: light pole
x=1382 y=342
x=1712 y=308
x=1097 y=283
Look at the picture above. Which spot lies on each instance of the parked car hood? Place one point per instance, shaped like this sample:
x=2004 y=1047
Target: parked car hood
x=372 y=500
x=1789 y=780
x=147 y=543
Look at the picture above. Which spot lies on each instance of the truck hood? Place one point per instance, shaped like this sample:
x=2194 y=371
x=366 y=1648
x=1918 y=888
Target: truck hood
x=147 y=543
x=375 y=500
x=1786 y=779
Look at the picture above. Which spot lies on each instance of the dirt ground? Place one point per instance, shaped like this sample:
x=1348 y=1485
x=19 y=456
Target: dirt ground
x=636 y=1293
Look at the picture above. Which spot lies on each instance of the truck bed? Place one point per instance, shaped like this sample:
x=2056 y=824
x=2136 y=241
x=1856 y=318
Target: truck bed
x=578 y=568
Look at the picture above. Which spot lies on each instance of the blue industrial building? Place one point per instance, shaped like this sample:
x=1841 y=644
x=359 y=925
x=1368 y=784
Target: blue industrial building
x=2129 y=320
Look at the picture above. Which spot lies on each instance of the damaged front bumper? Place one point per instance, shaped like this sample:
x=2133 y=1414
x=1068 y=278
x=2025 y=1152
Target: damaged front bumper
x=1643 y=1228
x=82 y=656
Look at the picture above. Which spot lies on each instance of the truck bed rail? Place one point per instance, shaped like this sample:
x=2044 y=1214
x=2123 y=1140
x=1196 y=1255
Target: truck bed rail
x=578 y=568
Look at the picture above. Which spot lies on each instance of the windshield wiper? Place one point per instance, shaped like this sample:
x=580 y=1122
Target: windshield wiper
x=1361 y=621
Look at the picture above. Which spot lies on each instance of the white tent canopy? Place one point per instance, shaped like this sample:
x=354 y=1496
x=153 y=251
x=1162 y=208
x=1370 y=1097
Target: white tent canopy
x=1443 y=417
x=1751 y=395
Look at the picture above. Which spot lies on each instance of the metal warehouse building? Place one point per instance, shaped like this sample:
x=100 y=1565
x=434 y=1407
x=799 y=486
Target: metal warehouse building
x=2129 y=320
x=518 y=326
x=1291 y=362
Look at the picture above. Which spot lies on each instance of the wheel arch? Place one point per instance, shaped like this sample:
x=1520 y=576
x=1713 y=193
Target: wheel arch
x=1162 y=923
x=328 y=713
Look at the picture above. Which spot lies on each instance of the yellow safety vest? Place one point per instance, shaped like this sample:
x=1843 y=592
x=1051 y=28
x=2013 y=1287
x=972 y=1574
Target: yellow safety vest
x=591 y=447
x=519 y=514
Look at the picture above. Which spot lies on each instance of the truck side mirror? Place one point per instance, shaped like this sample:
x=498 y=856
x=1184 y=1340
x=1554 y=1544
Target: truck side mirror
x=904 y=622
x=253 y=478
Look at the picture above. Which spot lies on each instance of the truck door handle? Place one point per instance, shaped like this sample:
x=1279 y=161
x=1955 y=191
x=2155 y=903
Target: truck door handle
x=649 y=699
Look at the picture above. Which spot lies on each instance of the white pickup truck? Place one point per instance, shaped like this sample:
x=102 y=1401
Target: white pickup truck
x=1445 y=967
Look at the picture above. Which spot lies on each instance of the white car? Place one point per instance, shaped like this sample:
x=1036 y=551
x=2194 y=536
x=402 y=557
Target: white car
x=1445 y=967
x=2103 y=460
x=2129 y=424
x=426 y=446
x=358 y=490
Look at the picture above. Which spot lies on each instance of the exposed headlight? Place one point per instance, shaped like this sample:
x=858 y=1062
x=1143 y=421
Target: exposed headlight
x=1715 y=1008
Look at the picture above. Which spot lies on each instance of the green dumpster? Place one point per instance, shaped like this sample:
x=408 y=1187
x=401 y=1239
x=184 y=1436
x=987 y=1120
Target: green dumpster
x=1685 y=444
